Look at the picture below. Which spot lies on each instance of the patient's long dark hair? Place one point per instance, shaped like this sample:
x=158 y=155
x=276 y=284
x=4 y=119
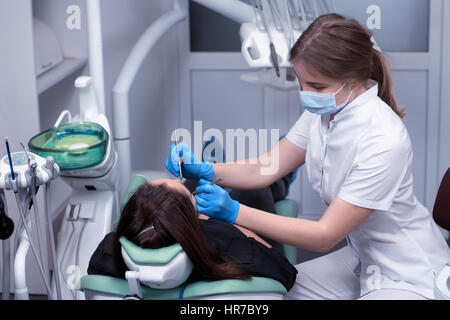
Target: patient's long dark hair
x=174 y=219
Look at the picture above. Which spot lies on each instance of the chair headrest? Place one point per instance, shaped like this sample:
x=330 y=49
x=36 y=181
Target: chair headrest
x=441 y=207
x=161 y=268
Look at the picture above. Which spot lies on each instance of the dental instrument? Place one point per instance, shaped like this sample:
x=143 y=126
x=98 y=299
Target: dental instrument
x=32 y=166
x=54 y=172
x=273 y=52
x=212 y=182
x=266 y=43
x=9 y=158
x=179 y=159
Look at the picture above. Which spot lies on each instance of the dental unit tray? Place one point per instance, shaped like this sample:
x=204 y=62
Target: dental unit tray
x=73 y=146
x=46 y=171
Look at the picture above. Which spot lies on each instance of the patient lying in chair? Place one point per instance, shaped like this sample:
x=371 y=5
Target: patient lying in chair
x=163 y=212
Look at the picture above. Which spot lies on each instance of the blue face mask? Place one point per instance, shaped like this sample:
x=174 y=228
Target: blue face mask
x=322 y=103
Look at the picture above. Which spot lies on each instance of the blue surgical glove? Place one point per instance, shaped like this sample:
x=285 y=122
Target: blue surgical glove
x=215 y=202
x=191 y=168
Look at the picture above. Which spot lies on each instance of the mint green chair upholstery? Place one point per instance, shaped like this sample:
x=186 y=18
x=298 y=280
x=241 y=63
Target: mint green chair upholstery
x=288 y=208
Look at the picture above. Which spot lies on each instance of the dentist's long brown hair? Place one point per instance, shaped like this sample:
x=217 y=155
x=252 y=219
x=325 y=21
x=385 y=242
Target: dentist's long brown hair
x=175 y=220
x=341 y=48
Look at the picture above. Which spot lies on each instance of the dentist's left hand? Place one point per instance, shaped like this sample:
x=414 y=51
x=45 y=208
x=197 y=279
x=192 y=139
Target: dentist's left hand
x=191 y=167
x=215 y=202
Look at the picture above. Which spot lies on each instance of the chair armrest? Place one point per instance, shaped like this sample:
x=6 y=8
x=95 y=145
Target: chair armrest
x=288 y=208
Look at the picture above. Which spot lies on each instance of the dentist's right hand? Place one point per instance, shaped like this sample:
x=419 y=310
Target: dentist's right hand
x=216 y=202
x=191 y=167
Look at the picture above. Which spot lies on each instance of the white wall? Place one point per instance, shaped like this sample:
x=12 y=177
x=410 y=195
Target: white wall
x=444 y=142
x=153 y=98
x=17 y=46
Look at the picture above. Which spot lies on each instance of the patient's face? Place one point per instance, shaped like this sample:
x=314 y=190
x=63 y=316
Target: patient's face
x=176 y=185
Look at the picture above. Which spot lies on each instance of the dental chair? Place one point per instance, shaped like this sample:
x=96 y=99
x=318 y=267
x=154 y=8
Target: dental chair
x=160 y=274
x=441 y=215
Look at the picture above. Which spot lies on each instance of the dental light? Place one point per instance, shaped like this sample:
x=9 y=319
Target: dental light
x=266 y=42
x=269 y=29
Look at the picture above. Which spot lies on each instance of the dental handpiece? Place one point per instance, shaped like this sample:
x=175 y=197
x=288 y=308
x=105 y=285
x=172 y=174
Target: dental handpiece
x=212 y=182
x=25 y=224
x=273 y=51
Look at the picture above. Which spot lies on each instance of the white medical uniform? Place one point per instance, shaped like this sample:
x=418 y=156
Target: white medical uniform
x=364 y=156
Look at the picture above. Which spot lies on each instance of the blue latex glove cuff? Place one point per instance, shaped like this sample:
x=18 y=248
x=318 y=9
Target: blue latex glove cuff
x=234 y=212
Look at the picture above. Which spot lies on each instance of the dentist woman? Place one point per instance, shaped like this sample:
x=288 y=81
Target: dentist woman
x=358 y=158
